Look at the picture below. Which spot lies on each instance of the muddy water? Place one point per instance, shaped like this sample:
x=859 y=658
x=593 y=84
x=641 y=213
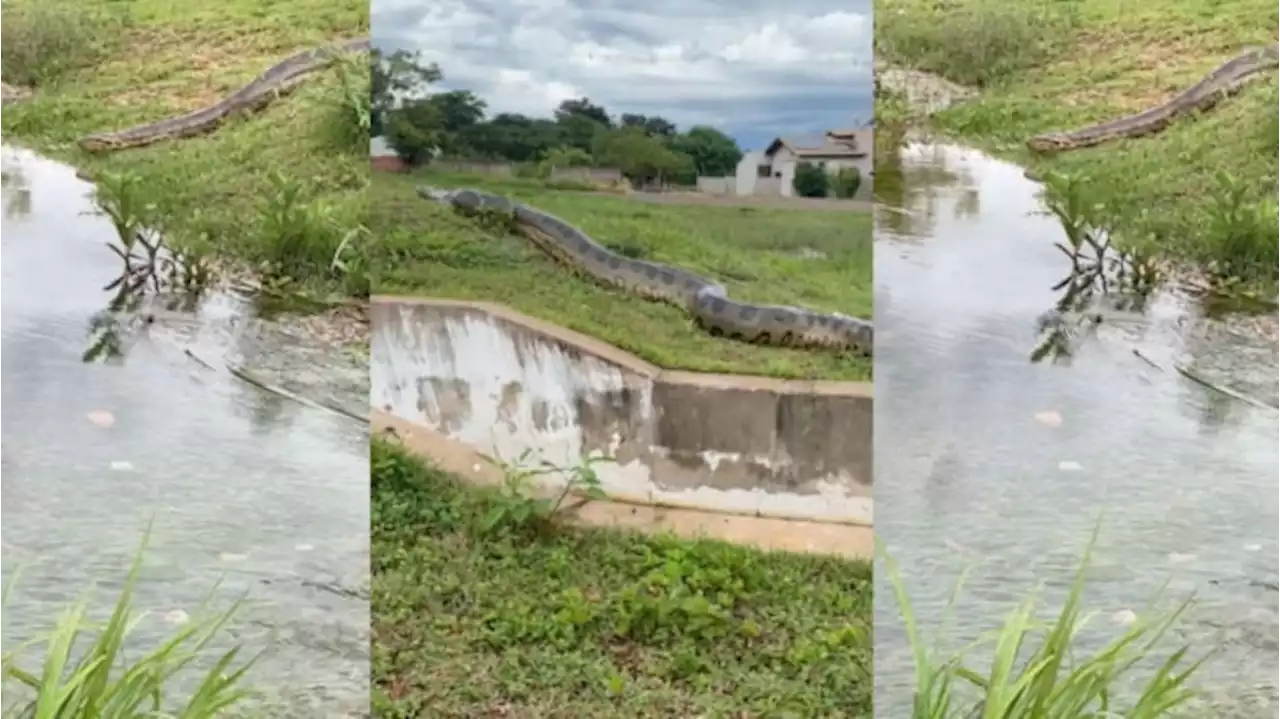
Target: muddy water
x=264 y=494
x=990 y=463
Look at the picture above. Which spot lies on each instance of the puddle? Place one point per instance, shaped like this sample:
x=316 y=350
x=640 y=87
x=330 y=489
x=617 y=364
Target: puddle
x=263 y=493
x=972 y=434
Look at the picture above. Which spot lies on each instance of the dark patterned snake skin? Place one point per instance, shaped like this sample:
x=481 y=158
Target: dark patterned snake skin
x=706 y=301
x=1226 y=80
x=276 y=81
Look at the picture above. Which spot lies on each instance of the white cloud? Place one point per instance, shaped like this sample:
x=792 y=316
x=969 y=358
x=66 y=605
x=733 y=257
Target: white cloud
x=754 y=68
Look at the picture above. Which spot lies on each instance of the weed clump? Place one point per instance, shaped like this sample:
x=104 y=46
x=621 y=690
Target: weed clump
x=46 y=41
x=977 y=44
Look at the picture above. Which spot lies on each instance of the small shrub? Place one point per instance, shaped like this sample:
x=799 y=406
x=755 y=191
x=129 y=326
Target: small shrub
x=1036 y=669
x=975 y=43
x=810 y=180
x=1240 y=235
x=349 y=124
x=47 y=40
x=104 y=681
x=296 y=240
x=1269 y=128
x=846 y=182
x=519 y=510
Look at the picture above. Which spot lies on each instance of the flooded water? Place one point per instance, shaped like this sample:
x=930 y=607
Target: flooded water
x=264 y=494
x=991 y=463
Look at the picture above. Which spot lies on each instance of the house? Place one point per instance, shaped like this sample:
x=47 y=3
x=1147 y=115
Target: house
x=771 y=171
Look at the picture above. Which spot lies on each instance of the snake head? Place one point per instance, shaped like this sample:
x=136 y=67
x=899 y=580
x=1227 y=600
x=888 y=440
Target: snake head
x=1051 y=142
x=96 y=143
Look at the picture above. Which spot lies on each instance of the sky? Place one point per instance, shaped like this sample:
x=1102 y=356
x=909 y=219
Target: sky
x=757 y=69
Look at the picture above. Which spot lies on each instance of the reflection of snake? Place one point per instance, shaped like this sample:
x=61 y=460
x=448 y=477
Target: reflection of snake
x=705 y=300
x=276 y=81
x=1217 y=85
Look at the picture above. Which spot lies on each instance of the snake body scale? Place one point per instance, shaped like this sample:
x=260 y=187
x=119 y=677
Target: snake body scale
x=706 y=301
x=276 y=81
x=1222 y=82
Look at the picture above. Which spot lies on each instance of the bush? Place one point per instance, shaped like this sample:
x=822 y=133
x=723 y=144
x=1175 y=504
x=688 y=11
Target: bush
x=350 y=120
x=47 y=40
x=810 y=180
x=975 y=43
x=846 y=182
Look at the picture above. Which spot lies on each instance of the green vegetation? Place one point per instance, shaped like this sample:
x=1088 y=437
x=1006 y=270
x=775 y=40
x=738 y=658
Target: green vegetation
x=87 y=672
x=811 y=180
x=534 y=618
x=281 y=192
x=1201 y=192
x=820 y=260
x=1038 y=668
x=580 y=133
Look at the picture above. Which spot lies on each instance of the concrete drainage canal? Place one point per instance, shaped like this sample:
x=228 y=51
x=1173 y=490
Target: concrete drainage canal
x=1141 y=411
x=145 y=415
x=508 y=386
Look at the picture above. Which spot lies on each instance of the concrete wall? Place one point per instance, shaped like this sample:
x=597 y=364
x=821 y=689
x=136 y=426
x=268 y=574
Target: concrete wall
x=505 y=384
x=593 y=175
x=717 y=185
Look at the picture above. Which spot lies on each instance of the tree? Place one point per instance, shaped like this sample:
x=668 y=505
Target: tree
x=391 y=78
x=512 y=137
x=582 y=107
x=653 y=126
x=846 y=182
x=639 y=157
x=459 y=110
x=810 y=180
x=580 y=121
x=714 y=153
x=415 y=130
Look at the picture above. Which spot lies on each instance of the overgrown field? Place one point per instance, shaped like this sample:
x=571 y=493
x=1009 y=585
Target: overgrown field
x=1204 y=191
x=544 y=620
x=819 y=260
x=279 y=190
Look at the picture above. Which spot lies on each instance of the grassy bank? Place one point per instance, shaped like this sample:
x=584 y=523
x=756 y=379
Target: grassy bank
x=1203 y=191
x=279 y=190
x=819 y=260
x=569 y=622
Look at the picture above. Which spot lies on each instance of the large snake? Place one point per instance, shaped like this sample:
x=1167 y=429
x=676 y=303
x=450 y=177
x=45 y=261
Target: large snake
x=277 y=80
x=1226 y=80
x=706 y=301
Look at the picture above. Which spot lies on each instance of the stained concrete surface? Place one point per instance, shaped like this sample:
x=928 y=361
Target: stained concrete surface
x=505 y=384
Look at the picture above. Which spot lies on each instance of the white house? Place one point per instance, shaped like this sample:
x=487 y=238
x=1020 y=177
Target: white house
x=771 y=171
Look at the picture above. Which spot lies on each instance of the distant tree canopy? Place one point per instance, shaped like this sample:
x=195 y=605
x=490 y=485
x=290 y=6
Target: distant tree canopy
x=420 y=124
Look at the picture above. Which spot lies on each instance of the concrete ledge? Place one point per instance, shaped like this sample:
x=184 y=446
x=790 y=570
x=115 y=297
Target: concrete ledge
x=510 y=385
x=762 y=533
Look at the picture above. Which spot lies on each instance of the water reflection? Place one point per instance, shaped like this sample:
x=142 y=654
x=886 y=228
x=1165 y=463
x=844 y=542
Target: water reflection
x=991 y=462
x=265 y=494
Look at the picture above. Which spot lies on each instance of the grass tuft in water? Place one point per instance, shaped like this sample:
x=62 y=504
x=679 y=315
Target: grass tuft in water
x=1036 y=668
x=88 y=669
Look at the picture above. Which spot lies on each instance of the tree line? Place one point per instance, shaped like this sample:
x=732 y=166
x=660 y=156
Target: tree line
x=420 y=125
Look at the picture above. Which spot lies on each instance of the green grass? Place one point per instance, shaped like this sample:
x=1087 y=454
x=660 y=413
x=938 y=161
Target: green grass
x=573 y=622
x=1036 y=667
x=92 y=669
x=759 y=254
x=1203 y=191
x=277 y=191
